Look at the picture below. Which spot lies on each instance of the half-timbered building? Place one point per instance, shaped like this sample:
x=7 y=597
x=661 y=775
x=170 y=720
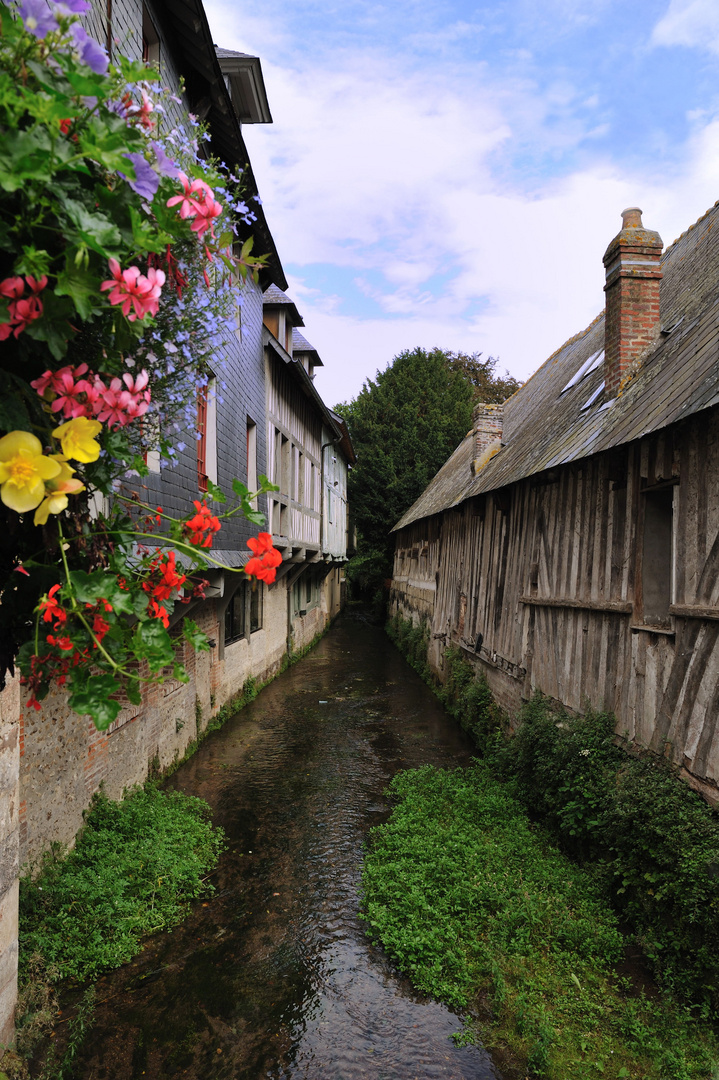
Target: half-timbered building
x=571 y=543
x=309 y=455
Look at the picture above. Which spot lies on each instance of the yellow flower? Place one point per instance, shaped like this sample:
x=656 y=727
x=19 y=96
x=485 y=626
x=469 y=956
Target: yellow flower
x=23 y=471
x=57 y=491
x=77 y=438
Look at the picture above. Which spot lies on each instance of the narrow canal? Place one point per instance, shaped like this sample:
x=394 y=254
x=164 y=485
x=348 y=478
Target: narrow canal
x=273 y=977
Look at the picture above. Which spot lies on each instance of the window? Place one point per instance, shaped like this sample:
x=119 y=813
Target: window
x=251 y=454
x=256 y=598
x=235 y=615
x=309 y=591
x=284 y=465
x=150 y=40
x=657 y=574
x=295 y=492
x=202 y=438
x=206 y=434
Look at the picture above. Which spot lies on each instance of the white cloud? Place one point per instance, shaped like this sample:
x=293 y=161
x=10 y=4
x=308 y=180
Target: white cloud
x=399 y=177
x=694 y=23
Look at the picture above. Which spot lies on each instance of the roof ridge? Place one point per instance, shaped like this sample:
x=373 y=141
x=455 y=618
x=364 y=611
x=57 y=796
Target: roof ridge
x=569 y=341
x=689 y=229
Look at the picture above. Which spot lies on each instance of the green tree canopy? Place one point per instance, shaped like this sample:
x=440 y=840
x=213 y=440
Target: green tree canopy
x=404 y=425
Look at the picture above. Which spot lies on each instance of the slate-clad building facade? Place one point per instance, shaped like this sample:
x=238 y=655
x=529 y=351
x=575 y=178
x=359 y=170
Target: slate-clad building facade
x=571 y=542
x=51 y=762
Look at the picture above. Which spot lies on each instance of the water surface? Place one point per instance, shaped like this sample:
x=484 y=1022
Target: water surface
x=273 y=976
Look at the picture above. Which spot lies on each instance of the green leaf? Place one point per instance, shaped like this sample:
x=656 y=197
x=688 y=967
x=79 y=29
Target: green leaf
x=27 y=155
x=196 y=637
x=266 y=485
x=133 y=694
x=6 y=241
x=89 y=588
x=145 y=234
x=94 y=698
x=216 y=493
x=33 y=261
x=53 y=328
x=96 y=230
x=152 y=642
x=80 y=285
x=255 y=516
x=87 y=85
x=240 y=489
x=13 y=413
x=179 y=673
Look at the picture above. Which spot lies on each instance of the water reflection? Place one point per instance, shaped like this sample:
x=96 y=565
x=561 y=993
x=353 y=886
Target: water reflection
x=273 y=976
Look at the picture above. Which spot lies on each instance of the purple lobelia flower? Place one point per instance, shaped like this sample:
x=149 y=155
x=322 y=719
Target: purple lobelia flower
x=146 y=180
x=37 y=17
x=91 y=53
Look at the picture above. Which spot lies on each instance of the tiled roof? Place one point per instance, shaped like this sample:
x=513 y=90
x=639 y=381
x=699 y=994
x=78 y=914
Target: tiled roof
x=544 y=428
x=223 y=54
x=273 y=295
x=300 y=344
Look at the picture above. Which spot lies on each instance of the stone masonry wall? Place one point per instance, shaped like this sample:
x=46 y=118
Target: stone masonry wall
x=9 y=855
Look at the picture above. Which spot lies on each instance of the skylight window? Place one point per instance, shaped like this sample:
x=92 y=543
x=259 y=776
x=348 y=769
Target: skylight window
x=589 y=365
x=593 y=398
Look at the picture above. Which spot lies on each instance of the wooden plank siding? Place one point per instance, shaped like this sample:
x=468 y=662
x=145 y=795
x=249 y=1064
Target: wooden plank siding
x=548 y=570
x=296 y=512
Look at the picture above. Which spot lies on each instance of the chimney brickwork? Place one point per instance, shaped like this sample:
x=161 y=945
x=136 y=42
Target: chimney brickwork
x=487 y=422
x=633 y=275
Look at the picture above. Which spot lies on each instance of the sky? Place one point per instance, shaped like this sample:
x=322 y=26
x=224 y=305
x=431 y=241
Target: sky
x=450 y=173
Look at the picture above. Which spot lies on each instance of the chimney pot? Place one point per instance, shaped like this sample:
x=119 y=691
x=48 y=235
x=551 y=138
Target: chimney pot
x=633 y=274
x=632 y=218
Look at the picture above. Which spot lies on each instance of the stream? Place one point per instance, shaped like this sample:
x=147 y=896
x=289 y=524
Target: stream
x=272 y=976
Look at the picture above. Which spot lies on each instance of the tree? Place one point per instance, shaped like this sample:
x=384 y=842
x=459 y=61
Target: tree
x=404 y=425
x=480 y=374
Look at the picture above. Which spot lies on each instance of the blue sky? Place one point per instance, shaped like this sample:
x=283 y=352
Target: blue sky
x=451 y=173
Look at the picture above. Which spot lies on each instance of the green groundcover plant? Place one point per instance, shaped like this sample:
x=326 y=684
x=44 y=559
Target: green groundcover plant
x=135 y=868
x=483 y=913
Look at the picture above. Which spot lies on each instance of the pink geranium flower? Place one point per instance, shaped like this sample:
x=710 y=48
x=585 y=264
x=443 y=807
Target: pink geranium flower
x=139 y=294
x=22 y=312
x=198 y=203
x=124 y=400
x=12 y=287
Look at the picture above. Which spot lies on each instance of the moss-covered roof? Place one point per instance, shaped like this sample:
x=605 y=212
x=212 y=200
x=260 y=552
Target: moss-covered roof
x=545 y=427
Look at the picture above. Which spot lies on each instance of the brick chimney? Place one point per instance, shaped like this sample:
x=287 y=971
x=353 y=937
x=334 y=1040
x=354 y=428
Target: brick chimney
x=487 y=423
x=633 y=270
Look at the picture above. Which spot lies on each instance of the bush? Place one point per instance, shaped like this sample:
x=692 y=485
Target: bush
x=468 y=698
x=412 y=641
x=133 y=871
x=653 y=841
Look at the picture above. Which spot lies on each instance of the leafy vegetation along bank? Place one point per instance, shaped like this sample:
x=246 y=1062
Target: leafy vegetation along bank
x=135 y=868
x=645 y=845
x=482 y=912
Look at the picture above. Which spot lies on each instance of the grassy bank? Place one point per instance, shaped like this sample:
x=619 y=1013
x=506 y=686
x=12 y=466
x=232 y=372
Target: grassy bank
x=646 y=843
x=482 y=912
x=134 y=870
